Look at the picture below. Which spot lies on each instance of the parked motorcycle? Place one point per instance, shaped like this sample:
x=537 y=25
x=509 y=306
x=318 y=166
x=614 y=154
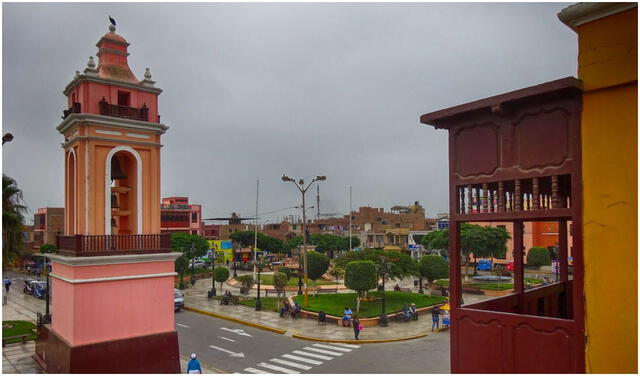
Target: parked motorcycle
x=39 y=290
x=28 y=287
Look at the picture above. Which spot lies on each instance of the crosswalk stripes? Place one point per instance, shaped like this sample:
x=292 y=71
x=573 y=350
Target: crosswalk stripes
x=290 y=364
x=276 y=368
x=301 y=359
x=322 y=351
x=317 y=352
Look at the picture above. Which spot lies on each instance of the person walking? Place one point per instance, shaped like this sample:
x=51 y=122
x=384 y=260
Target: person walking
x=435 y=316
x=194 y=365
x=357 y=327
x=7 y=284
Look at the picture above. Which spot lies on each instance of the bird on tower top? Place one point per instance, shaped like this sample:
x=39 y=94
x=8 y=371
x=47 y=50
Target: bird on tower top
x=112 y=27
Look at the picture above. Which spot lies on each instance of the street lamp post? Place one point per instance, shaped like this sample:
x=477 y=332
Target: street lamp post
x=383 y=269
x=300 y=273
x=8 y=137
x=213 y=267
x=303 y=190
x=259 y=265
x=193 y=270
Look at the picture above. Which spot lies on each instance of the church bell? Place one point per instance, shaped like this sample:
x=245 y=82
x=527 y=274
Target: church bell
x=116 y=171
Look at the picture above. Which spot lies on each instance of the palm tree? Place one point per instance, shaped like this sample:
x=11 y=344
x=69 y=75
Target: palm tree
x=12 y=219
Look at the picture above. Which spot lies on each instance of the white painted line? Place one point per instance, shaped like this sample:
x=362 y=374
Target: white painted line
x=290 y=364
x=253 y=370
x=332 y=347
x=276 y=368
x=301 y=359
x=228 y=339
x=184 y=326
x=323 y=351
x=312 y=355
x=231 y=353
x=346 y=345
x=238 y=332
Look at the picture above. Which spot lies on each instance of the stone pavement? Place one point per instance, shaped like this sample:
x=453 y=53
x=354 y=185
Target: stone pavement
x=17 y=357
x=196 y=297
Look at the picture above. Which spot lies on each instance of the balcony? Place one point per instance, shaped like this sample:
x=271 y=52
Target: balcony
x=113 y=245
x=74 y=109
x=115 y=110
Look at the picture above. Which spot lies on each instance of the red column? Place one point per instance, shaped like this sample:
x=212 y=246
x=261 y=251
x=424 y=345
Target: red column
x=563 y=251
x=518 y=272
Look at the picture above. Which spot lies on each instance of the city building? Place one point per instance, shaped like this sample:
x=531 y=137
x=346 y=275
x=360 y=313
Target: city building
x=211 y=232
x=47 y=224
x=177 y=215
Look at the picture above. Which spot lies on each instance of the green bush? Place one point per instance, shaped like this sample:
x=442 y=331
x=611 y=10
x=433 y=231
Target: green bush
x=433 y=267
x=538 y=256
x=220 y=275
x=361 y=276
x=48 y=248
x=317 y=265
x=288 y=271
x=247 y=281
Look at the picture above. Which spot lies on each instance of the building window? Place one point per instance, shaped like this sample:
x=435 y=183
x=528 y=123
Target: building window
x=194 y=217
x=124 y=99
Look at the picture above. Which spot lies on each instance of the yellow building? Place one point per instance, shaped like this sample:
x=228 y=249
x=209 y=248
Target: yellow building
x=607 y=66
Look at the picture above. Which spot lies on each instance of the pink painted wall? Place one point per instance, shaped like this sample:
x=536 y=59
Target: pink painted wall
x=112 y=310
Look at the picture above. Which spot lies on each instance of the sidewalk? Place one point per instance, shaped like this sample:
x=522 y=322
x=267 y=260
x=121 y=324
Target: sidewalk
x=196 y=298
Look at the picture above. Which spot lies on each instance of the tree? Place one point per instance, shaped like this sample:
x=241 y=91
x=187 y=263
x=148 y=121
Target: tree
x=287 y=271
x=355 y=242
x=265 y=242
x=181 y=242
x=13 y=212
x=538 y=256
x=317 y=265
x=360 y=276
x=402 y=265
x=279 y=282
x=48 y=248
x=182 y=263
x=247 y=283
x=432 y=268
x=220 y=274
x=481 y=241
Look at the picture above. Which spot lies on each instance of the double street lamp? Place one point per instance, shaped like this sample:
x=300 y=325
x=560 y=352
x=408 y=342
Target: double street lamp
x=259 y=264
x=301 y=187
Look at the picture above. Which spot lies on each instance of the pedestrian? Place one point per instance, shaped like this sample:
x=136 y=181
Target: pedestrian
x=346 y=317
x=295 y=310
x=413 y=312
x=357 y=327
x=194 y=365
x=435 y=316
x=286 y=307
x=7 y=284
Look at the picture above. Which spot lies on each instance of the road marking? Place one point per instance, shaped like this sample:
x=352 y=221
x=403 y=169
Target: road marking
x=231 y=353
x=312 y=355
x=291 y=364
x=238 y=332
x=301 y=359
x=253 y=370
x=228 y=339
x=332 y=347
x=346 y=345
x=323 y=351
x=276 y=368
x=184 y=326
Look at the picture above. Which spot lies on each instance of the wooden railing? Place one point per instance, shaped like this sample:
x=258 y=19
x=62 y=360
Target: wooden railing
x=74 y=109
x=124 y=111
x=108 y=245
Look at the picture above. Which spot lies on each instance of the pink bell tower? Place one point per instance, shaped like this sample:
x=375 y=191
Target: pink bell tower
x=113 y=276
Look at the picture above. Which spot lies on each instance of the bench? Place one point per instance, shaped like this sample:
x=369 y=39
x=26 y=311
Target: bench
x=23 y=337
x=405 y=289
x=267 y=291
x=332 y=290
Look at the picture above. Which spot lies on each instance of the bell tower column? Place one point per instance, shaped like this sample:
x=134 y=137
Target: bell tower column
x=112 y=279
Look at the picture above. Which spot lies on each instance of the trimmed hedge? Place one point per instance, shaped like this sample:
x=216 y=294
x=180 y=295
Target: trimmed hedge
x=538 y=256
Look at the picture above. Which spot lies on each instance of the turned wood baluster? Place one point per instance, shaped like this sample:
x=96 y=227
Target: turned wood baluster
x=555 y=201
x=470 y=199
x=485 y=198
x=492 y=208
x=518 y=198
x=501 y=200
x=536 y=194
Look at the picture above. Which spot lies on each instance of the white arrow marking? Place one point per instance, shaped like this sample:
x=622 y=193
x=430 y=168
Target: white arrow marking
x=238 y=332
x=228 y=339
x=236 y=355
x=184 y=326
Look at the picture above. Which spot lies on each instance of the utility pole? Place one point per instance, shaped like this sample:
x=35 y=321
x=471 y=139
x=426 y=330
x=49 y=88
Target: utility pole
x=255 y=235
x=318 y=203
x=350 y=240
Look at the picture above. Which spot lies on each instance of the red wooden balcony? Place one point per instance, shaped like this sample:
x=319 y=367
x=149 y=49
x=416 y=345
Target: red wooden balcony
x=111 y=245
x=75 y=108
x=108 y=109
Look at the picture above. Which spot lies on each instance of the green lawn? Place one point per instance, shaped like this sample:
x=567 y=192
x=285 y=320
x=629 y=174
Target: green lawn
x=18 y=328
x=268 y=304
x=491 y=285
x=333 y=304
x=267 y=279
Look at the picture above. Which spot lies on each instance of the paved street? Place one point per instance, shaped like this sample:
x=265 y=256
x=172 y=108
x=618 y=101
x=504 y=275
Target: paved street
x=238 y=348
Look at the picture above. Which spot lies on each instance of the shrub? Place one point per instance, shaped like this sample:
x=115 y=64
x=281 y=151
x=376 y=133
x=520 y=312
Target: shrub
x=288 y=272
x=48 y=248
x=317 y=265
x=538 y=256
x=220 y=274
x=247 y=282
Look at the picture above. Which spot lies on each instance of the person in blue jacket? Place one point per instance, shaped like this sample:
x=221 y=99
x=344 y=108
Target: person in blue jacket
x=194 y=365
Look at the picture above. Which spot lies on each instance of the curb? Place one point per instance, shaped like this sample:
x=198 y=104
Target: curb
x=239 y=321
x=353 y=341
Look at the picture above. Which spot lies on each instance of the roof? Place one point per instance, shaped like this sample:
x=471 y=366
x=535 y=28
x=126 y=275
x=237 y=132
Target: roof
x=582 y=13
x=498 y=102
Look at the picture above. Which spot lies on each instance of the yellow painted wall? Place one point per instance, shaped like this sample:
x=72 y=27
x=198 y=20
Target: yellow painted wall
x=608 y=67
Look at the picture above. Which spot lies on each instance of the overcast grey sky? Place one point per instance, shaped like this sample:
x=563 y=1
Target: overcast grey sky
x=252 y=91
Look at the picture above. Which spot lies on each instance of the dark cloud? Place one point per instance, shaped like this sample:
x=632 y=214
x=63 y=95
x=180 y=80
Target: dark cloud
x=255 y=90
